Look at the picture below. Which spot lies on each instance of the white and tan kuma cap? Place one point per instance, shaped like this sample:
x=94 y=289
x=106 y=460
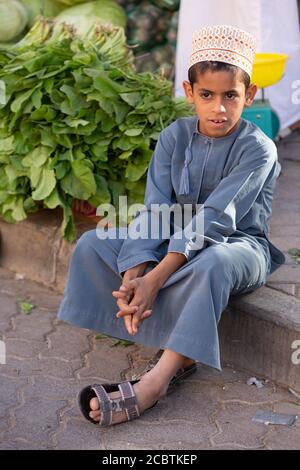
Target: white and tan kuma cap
x=224 y=43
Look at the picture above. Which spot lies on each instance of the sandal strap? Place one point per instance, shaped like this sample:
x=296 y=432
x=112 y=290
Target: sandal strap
x=105 y=403
x=129 y=402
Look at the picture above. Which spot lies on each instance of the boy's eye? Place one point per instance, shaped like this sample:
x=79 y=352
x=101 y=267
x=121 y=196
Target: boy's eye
x=205 y=95
x=231 y=96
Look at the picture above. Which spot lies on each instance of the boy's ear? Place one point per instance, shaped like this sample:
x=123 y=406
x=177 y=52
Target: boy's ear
x=188 y=91
x=250 y=95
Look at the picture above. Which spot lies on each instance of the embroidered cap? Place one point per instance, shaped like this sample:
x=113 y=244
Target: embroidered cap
x=224 y=43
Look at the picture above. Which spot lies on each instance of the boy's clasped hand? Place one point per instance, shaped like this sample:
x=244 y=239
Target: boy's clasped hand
x=135 y=299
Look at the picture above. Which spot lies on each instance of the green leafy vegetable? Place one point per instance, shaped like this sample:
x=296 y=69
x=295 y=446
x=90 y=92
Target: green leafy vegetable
x=295 y=254
x=26 y=307
x=76 y=121
x=123 y=343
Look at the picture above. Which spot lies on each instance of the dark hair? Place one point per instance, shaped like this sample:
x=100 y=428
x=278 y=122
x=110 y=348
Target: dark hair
x=214 y=66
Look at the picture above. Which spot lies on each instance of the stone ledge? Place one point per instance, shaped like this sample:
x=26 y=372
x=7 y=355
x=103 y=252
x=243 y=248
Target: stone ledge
x=270 y=305
x=35 y=249
x=257 y=331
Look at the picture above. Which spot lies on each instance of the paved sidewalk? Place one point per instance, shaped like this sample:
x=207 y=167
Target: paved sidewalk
x=48 y=362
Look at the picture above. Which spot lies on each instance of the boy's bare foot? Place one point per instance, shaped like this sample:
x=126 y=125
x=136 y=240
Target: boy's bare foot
x=147 y=393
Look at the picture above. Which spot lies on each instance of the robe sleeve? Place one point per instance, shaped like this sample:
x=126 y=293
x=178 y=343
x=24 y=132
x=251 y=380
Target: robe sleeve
x=158 y=191
x=229 y=202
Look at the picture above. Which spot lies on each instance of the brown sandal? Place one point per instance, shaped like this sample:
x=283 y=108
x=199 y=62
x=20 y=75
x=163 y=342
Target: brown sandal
x=180 y=375
x=127 y=402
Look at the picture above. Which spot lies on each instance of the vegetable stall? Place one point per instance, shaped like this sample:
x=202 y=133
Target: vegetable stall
x=77 y=121
x=151 y=25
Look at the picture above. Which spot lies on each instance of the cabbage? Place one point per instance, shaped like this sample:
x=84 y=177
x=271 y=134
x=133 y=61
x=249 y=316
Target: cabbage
x=47 y=8
x=72 y=2
x=13 y=19
x=84 y=16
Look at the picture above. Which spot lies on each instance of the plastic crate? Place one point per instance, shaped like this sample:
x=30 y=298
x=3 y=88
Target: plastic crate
x=264 y=117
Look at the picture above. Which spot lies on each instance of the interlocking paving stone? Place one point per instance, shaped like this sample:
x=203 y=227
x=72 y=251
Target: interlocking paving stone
x=8 y=310
x=49 y=362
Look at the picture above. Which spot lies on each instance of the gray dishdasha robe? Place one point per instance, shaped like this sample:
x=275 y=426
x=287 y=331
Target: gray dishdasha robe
x=233 y=179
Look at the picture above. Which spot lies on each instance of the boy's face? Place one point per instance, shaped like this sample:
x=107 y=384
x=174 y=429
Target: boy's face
x=219 y=96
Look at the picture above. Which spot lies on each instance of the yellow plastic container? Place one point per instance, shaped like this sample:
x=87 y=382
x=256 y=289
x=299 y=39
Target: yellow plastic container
x=268 y=69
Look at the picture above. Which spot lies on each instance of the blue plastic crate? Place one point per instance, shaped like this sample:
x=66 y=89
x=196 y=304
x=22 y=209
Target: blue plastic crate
x=264 y=117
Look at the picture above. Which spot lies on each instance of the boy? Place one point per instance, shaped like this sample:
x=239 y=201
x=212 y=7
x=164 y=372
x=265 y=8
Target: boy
x=173 y=290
